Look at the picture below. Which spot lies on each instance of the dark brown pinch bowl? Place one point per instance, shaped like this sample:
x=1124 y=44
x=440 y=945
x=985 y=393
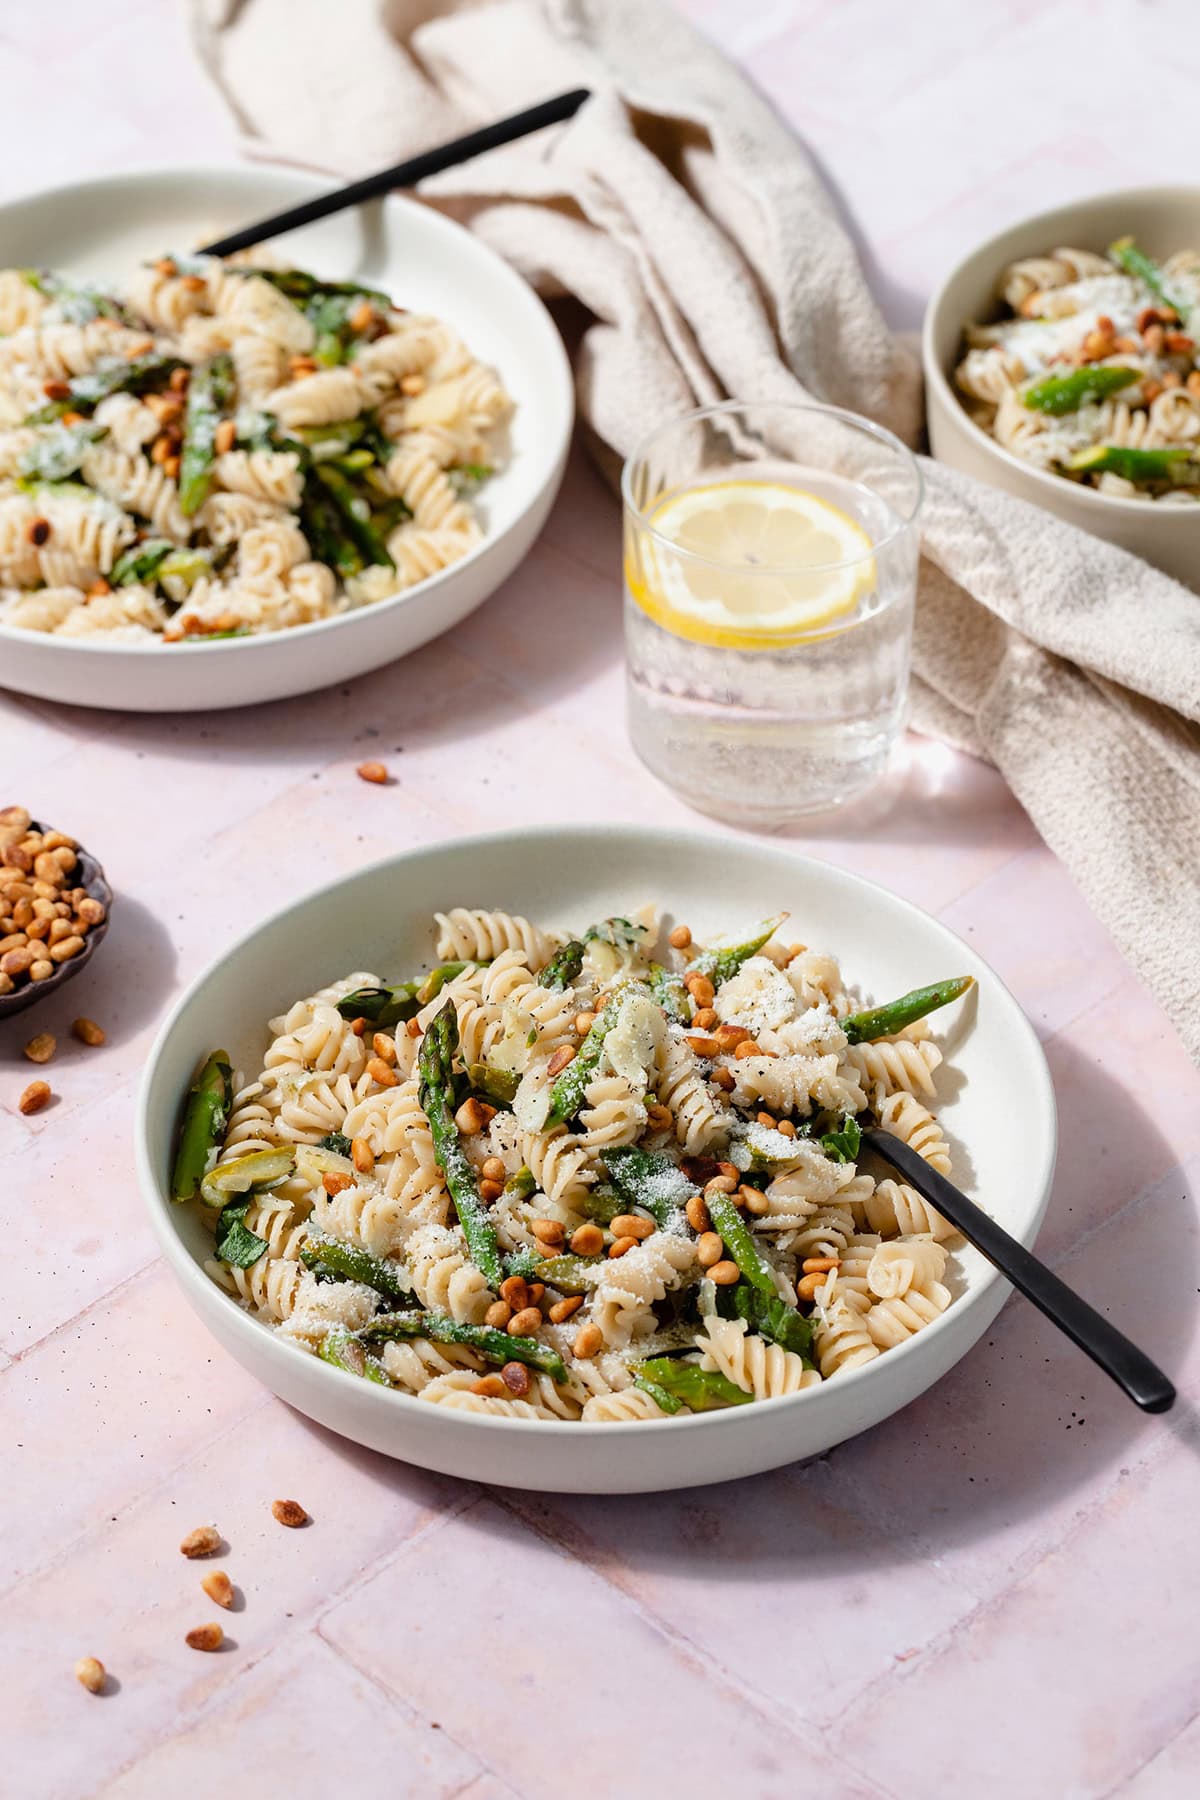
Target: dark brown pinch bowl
x=31 y=993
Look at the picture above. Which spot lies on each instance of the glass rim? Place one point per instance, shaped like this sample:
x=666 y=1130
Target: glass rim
x=774 y=570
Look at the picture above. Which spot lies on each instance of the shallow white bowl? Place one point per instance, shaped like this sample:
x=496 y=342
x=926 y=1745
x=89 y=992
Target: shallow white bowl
x=999 y=1115
x=1162 y=220
x=427 y=263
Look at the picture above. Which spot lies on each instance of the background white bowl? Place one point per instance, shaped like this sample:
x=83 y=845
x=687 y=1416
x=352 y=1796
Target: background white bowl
x=999 y=1113
x=1162 y=220
x=427 y=263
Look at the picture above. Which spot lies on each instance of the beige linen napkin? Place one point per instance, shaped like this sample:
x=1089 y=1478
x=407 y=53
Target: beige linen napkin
x=690 y=224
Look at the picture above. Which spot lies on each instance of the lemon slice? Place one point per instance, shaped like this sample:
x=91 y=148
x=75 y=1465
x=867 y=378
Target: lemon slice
x=769 y=565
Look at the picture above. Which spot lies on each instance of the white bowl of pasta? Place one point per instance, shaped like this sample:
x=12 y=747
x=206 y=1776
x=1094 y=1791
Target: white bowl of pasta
x=597 y=1305
x=224 y=483
x=1061 y=365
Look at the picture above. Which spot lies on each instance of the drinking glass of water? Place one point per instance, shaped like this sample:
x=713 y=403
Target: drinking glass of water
x=770 y=575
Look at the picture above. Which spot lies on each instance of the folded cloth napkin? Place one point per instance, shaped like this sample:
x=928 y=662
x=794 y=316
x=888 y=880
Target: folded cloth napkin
x=690 y=224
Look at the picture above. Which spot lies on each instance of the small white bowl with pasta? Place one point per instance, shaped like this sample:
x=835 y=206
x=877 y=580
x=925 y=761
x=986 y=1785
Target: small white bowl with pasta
x=1164 y=223
x=275 y=583
x=906 y=1298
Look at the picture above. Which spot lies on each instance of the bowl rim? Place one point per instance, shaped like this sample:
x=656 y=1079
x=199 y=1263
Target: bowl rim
x=557 y=371
x=938 y=380
x=204 y=1294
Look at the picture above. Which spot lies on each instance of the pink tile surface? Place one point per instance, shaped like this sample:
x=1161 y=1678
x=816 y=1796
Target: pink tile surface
x=996 y=1587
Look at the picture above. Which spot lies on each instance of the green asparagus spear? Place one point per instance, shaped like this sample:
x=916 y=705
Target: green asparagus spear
x=719 y=963
x=210 y=392
x=493 y=1346
x=254 y=1172
x=650 y=1179
x=570 y=1274
x=884 y=1021
x=341 y=1348
x=141 y=562
x=323 y=527
x=78 y=302
x=771 y=1318
x=60 y=453
x=337 y=1141
x=670 y=993
x=739 y=1243
x=1056 y=394
x=464 y=478
x=563 y=967
x=496 y=1085
x=520 y=1262
x=205 y=1117
x=601 y=1204
x=393 y=1005
x=331 y=1256
x=436 y=1066
x=702 y=1389
x=354 y=514
x=566 y=1096
x=522 y=1184
x=1136 y=262
x=622 y=934
x=300 y=286
x=665 y=1402
x=111 y=375
x=1176 y=467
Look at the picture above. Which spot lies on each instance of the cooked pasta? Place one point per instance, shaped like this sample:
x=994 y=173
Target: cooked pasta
x=1092 y=372
x=212 y=402
x=501 y=1186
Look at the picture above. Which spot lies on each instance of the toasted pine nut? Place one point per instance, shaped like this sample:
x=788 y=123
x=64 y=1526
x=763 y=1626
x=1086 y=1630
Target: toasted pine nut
x=754 y=1200
x=583 y=1022
x=748 y=1047
x=766 y=1119
x=680 y=938
x=786 y=1128
x=730 y=1036
x=469 y=1117
x=724 y=1079
x=218 y=1587
x=621 y=1246
x=362 y=1155
x=704 y=1019
x=380 y=1072
x=413 y=1028
x=205 y=1637
x=493 y=1169
x=525 y=1323
x=700 y=988
x=36 y=1095
x=558 y=1062
x=724 y=1273
x=516 y=1291
x=41 y=1048
x=704 y=1046
x=412 y=384
x=818 y=1265
x=490 y=1190
x=658 y=1117
x=723 y=1184
x=631 y=1225
x=335 y=1184
x=201 y=1542
x=490 y=1387
x=384 y=1046
x=225 y=437
x=498 y=1314
x=516 y=1379
x=372 y=771
x=90 y=1671
x=710 y=1249
x=65 y=949
x=90 y=911
x=41 y=971
x=806 y=1287
x=588 y=1340
x=696 y=1213
x=548 y=1232
x=587 y=1240
x=289 y=1513
x=88 y=1032
x=561 y=1311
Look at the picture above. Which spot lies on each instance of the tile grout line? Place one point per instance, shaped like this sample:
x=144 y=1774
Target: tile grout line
x=797 y=1725
x=103 y=1299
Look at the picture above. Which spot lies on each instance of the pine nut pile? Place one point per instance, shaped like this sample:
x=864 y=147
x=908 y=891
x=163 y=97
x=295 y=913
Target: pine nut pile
x=44 y=915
